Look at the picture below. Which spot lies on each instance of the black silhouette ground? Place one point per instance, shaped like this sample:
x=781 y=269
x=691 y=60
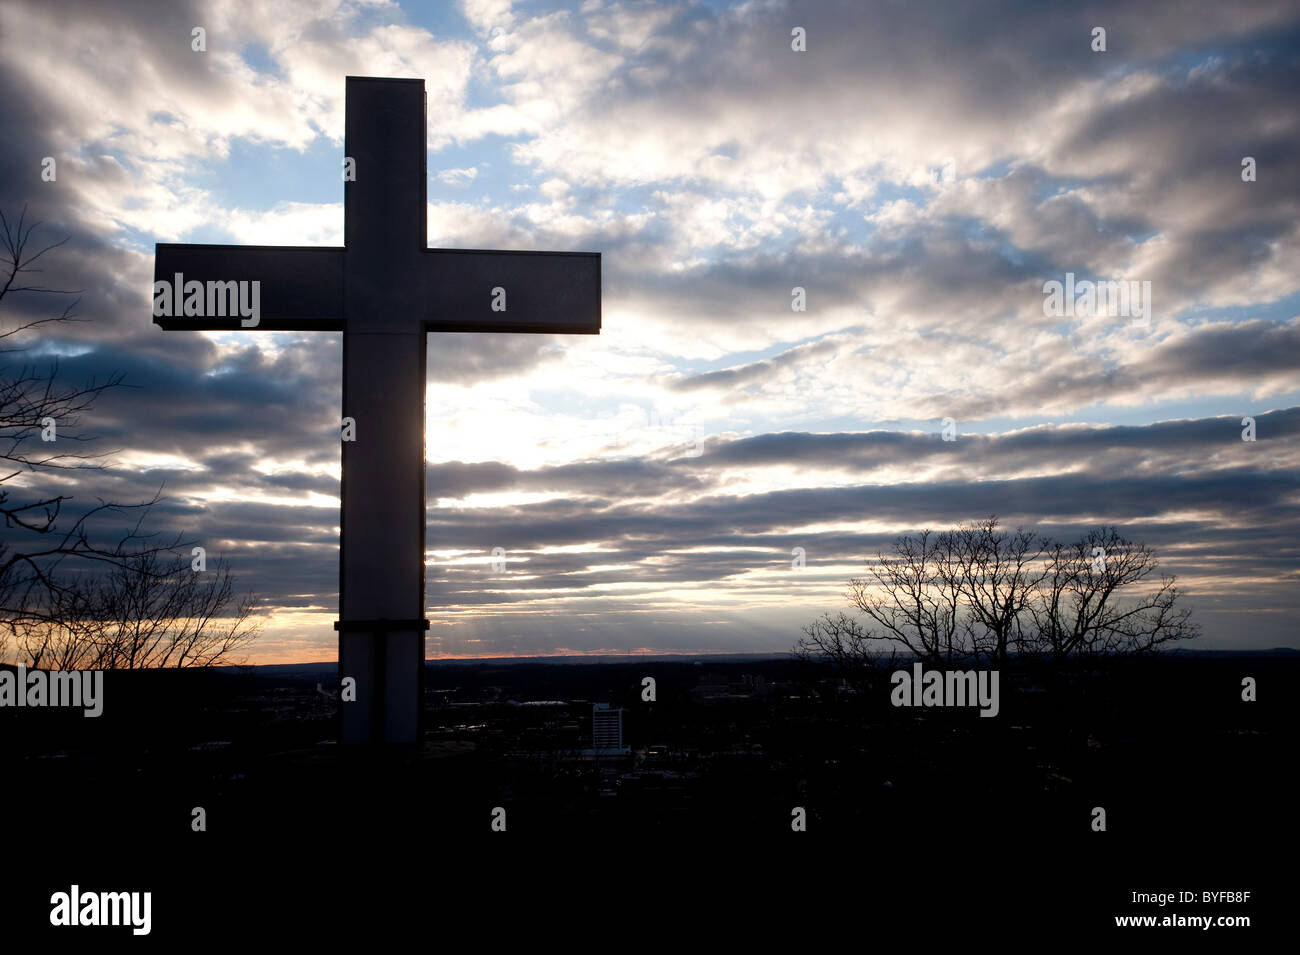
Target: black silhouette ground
x=927 y=812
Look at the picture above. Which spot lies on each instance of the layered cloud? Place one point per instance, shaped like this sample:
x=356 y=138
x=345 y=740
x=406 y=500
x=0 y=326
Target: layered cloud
x=918 y=173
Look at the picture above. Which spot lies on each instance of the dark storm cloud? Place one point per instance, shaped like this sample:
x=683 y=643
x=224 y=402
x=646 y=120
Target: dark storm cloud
x=742 y=375
x=1221 y=358
x=735 y=536
x=1047 y=445
x=736 y=519
x=625 y=477
x=636 y=511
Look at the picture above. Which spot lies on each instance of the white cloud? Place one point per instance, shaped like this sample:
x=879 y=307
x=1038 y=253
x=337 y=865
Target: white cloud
x=458 y=177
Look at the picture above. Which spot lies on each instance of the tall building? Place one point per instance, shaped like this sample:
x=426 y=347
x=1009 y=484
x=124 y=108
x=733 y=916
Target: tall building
x=607 y=727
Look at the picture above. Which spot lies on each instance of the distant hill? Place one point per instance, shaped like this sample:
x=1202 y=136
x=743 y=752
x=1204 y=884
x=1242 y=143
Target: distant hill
x=327 y=669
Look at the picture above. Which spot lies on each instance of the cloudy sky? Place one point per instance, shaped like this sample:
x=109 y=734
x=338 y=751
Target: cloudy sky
x=920 y=170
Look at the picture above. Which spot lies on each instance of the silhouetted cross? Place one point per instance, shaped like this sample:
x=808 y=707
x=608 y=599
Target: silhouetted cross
x=384 y=290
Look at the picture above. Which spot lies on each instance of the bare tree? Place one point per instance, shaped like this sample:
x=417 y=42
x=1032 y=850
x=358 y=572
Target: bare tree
x=56 y=578
x=981 y=593
x=843 y=642
x=997 y=575
x=1081 y=608
x=147 y=611
x=914 y=596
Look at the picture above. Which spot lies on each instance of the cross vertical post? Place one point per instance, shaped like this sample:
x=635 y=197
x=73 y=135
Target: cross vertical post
x=381 y=601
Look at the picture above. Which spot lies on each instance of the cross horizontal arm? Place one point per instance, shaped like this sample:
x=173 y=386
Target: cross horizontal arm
x=300 y=288
x=543 y=292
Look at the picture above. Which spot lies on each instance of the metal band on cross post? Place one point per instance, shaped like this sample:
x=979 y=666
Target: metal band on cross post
x=372 y=657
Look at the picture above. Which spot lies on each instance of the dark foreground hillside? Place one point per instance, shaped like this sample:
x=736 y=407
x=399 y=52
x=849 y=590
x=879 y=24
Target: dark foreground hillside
x=931 y=812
